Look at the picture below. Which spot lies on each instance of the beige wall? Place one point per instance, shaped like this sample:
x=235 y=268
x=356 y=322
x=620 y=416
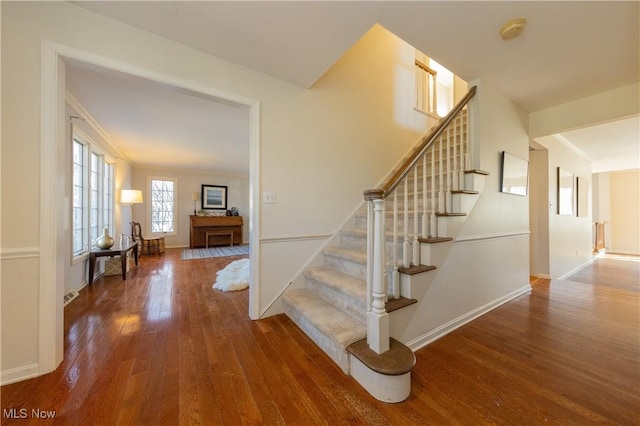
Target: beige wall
x=188 y=182
x=539 y=199
x=625 y=212
x=319 y=148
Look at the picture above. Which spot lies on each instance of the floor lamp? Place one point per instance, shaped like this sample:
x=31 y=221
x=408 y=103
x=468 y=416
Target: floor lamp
x=131 y=197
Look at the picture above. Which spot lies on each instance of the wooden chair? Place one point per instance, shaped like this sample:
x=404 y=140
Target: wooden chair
x=147 y=245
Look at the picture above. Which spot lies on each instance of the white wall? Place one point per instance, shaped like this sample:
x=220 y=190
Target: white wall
x=188 y=182
x=607 y=106
x=570 y=237
x=489 y=261
x=320 y=148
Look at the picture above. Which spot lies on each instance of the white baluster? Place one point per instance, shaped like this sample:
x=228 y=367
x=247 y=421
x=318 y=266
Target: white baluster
x=456 y=183
x=447 y=198
x=425 y=215
x=405 y=244
x=441 y=206
x=468 y=160
x=461 y=168
x=395 y=275
x=370 y=229
x=415 y=251
x=432 y=219
x=377 y=317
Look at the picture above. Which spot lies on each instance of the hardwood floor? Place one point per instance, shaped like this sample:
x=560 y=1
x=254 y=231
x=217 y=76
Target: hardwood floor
x=163 y=348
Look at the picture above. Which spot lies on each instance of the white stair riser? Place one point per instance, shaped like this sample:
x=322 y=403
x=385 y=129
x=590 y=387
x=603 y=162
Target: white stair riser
x=449 y=226
x=474 y=182
x=413 y=287
x=434 y=254
x=463 y=203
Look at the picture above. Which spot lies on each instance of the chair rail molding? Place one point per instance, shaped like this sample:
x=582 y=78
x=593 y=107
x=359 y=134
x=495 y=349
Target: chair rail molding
x=15 y=253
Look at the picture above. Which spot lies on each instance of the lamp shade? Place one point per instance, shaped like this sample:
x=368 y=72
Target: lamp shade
x=195 y=196
x=131 y=196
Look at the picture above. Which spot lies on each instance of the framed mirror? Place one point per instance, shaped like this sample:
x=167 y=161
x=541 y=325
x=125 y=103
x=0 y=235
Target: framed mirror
x=565 y=192
x=514 y=175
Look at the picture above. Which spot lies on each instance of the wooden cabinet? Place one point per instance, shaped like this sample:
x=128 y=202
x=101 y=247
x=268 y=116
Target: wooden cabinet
x=201 y=224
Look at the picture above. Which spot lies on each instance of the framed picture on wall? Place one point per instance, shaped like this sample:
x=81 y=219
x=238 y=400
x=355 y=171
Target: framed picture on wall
x=214 y=197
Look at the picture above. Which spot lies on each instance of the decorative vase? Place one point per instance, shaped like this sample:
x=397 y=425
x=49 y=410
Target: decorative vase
x=104 y=241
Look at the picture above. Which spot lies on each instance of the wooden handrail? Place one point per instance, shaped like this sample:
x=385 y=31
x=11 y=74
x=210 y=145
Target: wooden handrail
x=390 y=184
x=426 y=68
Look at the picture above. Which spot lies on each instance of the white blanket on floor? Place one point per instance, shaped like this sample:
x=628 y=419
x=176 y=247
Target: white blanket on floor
x=235 y=276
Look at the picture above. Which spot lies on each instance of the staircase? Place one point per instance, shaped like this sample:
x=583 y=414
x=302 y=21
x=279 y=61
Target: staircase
x=351 y=299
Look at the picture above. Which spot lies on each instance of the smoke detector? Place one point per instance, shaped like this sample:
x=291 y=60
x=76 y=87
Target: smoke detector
x=512 y=28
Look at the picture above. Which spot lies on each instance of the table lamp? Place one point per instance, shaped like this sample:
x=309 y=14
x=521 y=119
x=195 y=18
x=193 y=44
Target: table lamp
x=194 y=197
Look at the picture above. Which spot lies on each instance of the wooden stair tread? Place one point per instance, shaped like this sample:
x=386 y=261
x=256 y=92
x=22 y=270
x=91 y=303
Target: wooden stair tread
x=477 y=172
x=398 y=360
x=450 y=214
x=435 y=240
x=395 y=304
x=416 y=269
x=464 y=191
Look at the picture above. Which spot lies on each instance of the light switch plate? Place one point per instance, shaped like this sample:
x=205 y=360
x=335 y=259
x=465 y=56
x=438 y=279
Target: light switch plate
x=269 y=197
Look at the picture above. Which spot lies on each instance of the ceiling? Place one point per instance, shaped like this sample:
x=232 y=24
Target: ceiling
x=569 y=50
x=156 y=125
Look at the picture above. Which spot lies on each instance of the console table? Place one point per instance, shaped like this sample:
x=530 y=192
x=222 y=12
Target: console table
x=200 y=225
x=116 y=250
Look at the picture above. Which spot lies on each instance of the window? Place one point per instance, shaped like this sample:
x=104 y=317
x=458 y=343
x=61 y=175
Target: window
x=434 y=86
x=425 y=88
x=92 y=203
x=444 y=88
x=80 y=231
x=162 y=205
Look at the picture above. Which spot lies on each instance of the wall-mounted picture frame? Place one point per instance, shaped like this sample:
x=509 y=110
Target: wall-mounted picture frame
x=582 y=194
x=565 y=192
x=214 y=197
x=514 y=175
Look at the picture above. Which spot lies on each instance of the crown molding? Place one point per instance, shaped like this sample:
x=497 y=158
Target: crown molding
x=88 y=118
x=567 y=143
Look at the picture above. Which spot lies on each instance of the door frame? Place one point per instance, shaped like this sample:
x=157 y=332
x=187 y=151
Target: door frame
x=53 y=208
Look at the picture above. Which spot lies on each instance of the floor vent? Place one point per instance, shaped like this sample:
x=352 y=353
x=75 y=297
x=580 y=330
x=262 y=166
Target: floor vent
x=70 y=296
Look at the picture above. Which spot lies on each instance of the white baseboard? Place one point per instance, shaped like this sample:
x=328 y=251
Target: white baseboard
x=19 y=374
x=447 y=328
x=625 y=252
x=574 y=270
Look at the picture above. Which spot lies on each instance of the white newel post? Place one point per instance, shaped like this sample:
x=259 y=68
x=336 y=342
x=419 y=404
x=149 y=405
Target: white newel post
x=377 y=317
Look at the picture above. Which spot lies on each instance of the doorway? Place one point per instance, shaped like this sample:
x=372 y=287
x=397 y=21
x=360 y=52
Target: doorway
x=539 y=206
x=54 y=204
